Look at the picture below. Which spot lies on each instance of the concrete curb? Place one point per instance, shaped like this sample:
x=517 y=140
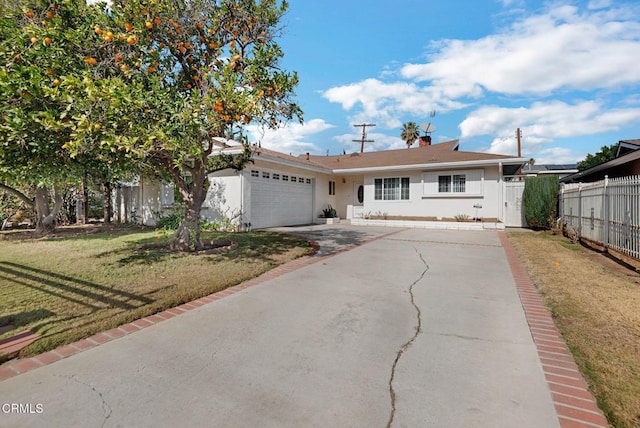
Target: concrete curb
x=574 y=403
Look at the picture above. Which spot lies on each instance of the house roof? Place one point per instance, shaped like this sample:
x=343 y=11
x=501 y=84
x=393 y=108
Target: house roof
x=422 y=157
x=631 y=154
x=442 y=155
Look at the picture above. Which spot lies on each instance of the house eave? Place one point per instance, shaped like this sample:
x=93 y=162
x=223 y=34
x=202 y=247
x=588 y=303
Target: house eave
x=269 y=158
x=574 y=178
x=434 y=166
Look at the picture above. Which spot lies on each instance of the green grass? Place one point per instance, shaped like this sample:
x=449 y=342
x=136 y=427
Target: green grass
x=78 y=283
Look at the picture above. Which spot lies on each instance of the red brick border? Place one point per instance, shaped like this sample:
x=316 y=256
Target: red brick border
x=18 y=366
x=574 y=404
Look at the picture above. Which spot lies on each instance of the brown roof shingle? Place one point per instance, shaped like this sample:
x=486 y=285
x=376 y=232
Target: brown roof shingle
x=436 y=153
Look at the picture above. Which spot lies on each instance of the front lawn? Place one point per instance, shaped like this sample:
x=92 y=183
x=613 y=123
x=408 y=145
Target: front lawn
x=90 y=279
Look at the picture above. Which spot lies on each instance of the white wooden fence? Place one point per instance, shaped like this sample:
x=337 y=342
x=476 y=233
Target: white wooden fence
x=606 y=212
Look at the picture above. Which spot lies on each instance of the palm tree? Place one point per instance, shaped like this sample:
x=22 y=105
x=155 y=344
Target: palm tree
x=410 y=133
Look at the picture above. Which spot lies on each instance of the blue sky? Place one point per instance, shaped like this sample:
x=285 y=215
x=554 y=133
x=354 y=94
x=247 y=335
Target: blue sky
x=566 y=72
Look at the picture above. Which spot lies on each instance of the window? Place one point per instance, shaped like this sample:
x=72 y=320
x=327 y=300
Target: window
x=285 y=177
x=301 y=180
x=391 y=189
x=453 y=184
x=255 y=173
x=276 y=176
x=308 y=181
x=332 y=188
x=167 y=195
x=265 y=174
x=456 y=183
x=293 y=179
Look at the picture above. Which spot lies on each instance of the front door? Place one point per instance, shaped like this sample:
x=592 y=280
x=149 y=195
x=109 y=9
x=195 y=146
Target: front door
x=358 y=199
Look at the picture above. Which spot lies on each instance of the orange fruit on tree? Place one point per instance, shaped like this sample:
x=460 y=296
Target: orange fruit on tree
x=49 y=15
x=56 y=82
x=47 y=41
x=90 y=61
x=33 y=40
x=49 y=72
x=98 y=30
x=148 y=25
x=132 y=40
x=157 y=21
x=128 y=26
x=29 y=14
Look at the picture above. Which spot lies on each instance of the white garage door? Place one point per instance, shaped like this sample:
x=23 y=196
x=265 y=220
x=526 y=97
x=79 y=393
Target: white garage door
x=279 y=199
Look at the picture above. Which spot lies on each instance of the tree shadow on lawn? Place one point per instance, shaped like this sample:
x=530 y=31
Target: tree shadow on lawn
x=62 y=286
x=240 y=246
x=76 y=232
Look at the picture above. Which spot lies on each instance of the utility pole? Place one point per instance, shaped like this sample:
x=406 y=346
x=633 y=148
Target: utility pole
x=364 y=135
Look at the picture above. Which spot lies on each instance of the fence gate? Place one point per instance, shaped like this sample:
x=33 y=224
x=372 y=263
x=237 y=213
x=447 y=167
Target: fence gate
x=513 y=208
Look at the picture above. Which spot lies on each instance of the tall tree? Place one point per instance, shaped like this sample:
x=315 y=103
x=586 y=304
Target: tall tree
x=40 y=42
x=190 y=70
x=410 y=133
x=605 y=154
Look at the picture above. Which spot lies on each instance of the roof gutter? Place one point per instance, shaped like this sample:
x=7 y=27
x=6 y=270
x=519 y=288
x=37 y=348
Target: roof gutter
x=434 y=166
x=291 y=163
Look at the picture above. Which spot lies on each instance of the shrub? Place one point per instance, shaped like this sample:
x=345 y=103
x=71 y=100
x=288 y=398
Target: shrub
x=169 y=222
x=329 y=212
x=462 y=217
x=540 y=201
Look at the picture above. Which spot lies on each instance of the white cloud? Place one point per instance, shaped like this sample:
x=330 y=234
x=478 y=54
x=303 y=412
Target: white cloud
x=289 y=138
x=598 y=4
x=544 y=121
x=562 y=48
x=386 y=102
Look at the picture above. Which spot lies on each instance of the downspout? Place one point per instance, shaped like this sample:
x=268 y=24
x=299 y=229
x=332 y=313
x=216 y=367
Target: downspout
x=242 y=226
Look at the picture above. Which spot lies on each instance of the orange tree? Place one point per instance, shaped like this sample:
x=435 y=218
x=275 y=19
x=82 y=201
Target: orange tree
x=44 y=51
x=190 y=71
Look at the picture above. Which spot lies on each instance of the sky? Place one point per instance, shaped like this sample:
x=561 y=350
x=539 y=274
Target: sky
x=567 y=73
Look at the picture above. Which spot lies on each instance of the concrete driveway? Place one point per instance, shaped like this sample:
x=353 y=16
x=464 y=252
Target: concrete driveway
x=418 y=328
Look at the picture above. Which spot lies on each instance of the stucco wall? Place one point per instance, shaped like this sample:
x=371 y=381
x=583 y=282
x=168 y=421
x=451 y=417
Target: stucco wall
x=424 y=203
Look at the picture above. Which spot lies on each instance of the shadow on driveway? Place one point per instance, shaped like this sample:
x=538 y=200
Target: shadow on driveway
x=334 y=238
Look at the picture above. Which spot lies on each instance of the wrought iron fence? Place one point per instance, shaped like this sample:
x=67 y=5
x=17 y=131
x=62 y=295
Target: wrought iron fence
x=606 y=212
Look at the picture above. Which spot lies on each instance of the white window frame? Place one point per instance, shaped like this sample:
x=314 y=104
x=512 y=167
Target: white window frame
x=390 y=191
x=167 y=194
x=332 y=188
x=461 y=183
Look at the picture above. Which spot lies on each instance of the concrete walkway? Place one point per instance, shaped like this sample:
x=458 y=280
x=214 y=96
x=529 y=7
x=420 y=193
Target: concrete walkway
x=413 y=329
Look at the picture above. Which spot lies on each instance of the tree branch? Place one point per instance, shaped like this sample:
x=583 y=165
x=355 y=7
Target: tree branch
x=24 y=198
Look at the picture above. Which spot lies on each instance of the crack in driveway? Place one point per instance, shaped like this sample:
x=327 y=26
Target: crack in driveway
x=403 y=348
x=105 y=406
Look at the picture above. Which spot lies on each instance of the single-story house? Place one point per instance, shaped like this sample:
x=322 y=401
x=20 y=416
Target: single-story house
x=626 y=163
x=423 y=183
x=561 y=170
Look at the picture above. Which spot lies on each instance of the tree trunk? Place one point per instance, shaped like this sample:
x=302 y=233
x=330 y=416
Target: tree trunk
x=45 y=217
x=107 y=210
x=188 y=234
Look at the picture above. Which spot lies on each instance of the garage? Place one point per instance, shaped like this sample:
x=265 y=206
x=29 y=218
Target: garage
x=280 y=199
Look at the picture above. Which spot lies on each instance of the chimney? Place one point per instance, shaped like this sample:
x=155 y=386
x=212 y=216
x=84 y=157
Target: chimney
x=307 y=155
x=425 y=141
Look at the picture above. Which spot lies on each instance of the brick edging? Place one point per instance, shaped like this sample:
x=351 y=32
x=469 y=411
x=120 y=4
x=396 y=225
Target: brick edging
x=18 y=366
x=574 y=403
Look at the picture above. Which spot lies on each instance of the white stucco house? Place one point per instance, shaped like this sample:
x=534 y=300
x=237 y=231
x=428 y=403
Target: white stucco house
x=434 y=182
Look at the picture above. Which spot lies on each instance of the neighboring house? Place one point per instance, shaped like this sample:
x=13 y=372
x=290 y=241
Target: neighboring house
x=550 y=169
x=433 y=182
x=626 y=163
